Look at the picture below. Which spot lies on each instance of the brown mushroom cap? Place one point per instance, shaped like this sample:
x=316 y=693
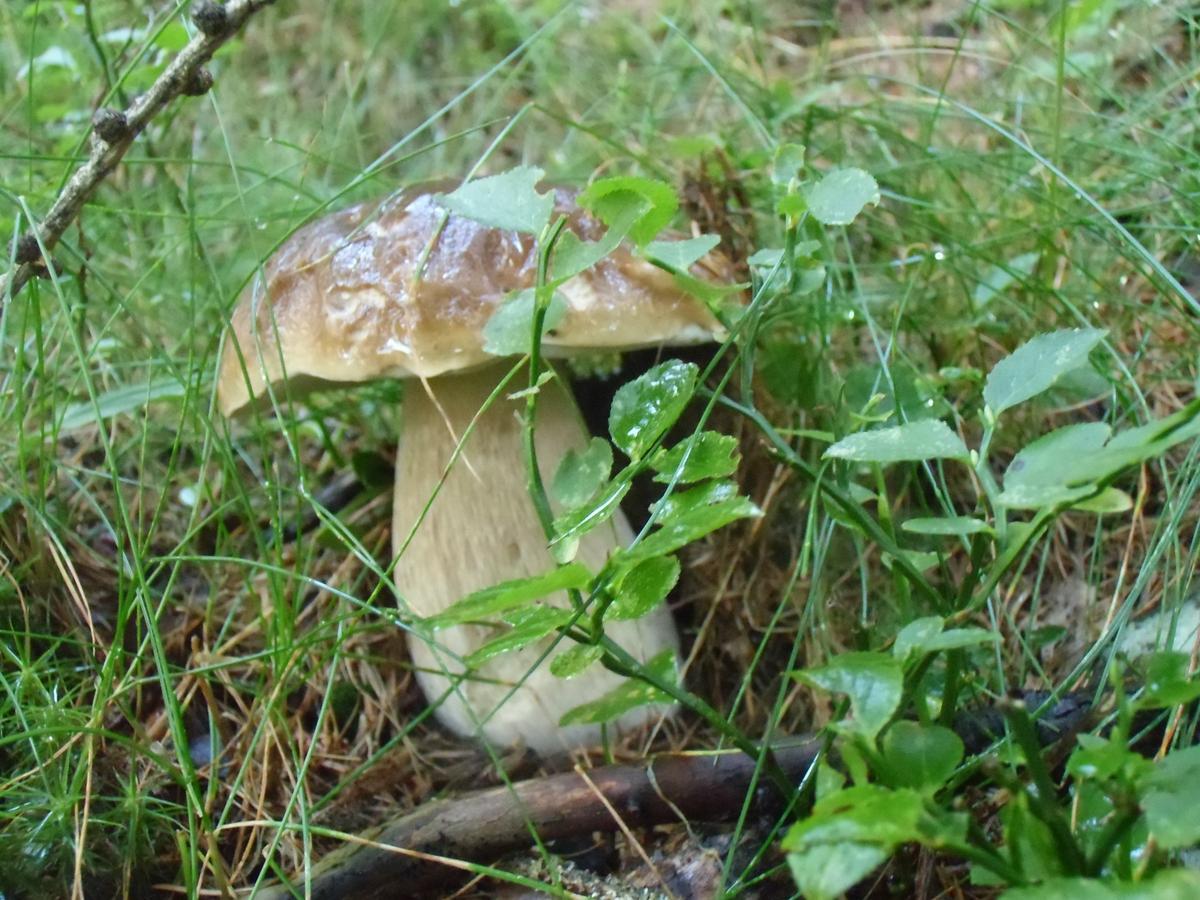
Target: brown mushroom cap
x=340 y=300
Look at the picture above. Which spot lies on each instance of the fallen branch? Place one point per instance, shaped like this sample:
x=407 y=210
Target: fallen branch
x=426 y=851
x=486 y=825
x=113 y=133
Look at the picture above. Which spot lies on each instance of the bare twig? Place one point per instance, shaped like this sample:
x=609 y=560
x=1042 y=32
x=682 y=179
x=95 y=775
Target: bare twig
x=414 y=854
x=113 y=132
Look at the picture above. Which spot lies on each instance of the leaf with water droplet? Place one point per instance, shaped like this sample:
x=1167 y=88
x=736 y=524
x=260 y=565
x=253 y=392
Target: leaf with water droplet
x=910 y=442
x=1037 y=364
x=643 y=587
x=706 y=455
x=629 y=694
x=646 y=407
x=509 y=200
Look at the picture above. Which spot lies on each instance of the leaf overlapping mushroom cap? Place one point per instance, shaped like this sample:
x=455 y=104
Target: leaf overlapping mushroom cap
x=401 y=288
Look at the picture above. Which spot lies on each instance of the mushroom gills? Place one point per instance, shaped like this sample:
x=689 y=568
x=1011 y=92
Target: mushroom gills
x=482 y=529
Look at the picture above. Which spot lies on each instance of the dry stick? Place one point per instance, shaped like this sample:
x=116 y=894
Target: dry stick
x=484 y=826
x=114 y=132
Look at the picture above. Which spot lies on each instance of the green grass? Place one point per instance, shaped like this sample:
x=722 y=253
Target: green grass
x=1037 y=173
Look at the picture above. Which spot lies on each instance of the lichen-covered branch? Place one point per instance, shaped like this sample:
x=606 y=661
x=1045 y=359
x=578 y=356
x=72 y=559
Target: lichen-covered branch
x=113 y=132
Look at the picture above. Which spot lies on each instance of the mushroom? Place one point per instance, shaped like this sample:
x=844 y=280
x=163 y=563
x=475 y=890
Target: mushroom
x=401 y=289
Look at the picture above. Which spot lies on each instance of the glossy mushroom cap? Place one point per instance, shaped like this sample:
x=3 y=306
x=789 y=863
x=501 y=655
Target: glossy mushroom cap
x=343 y=300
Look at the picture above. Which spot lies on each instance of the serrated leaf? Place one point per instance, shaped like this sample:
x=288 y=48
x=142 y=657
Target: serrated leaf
x=643 y=409
x=494 y=601
x=1036 y=365
x=910 y=442
x=629 y=694
x=841 y=195
x=509 y=200
x=680 y=530
x=681 y=254
x=708 y=455
x=873 y=682
x=577 y=522
x=573 y=255
x=611 y=198
x=580 y=475
x=574 y=660
x=510 y=329
x=954 y=526
x=643 y=587
x=680 y=502
x=537 y=622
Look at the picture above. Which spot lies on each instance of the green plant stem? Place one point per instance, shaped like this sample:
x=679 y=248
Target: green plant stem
x=1127 y=815
x=542 y=295
x=1043 y=791
x=618 y=660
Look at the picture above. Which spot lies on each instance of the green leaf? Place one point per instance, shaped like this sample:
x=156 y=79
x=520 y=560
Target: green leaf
x=679 y=502
x=910 y=442
x=643 y=587
x=874 y=683
x=924 y=636
x=509 y=595
x=788 y=163
x=916 y=635
x=921 y=757
x=574 y=660
x=508 y=331
x=509 y=200
x=575 y=523
x=611 y=198
x=1100 y=758
x=534 y=624
x=1168 y=682
x=1171 y=796
x=119 y=401
x=680 y=530
x=1035 y=366
x=1109 y=501
x=840 y=196
x=946 y=526
x=1172 y=884
x=1040 y=473
x=643 y=409
x=826 y=871
x=581 y=475
x=681 y=254
x=1068 y=465
x=572 y=255
x=629 y=694
x=709 y=455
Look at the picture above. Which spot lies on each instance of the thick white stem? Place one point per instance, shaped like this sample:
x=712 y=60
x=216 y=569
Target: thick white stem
x=482 y=529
